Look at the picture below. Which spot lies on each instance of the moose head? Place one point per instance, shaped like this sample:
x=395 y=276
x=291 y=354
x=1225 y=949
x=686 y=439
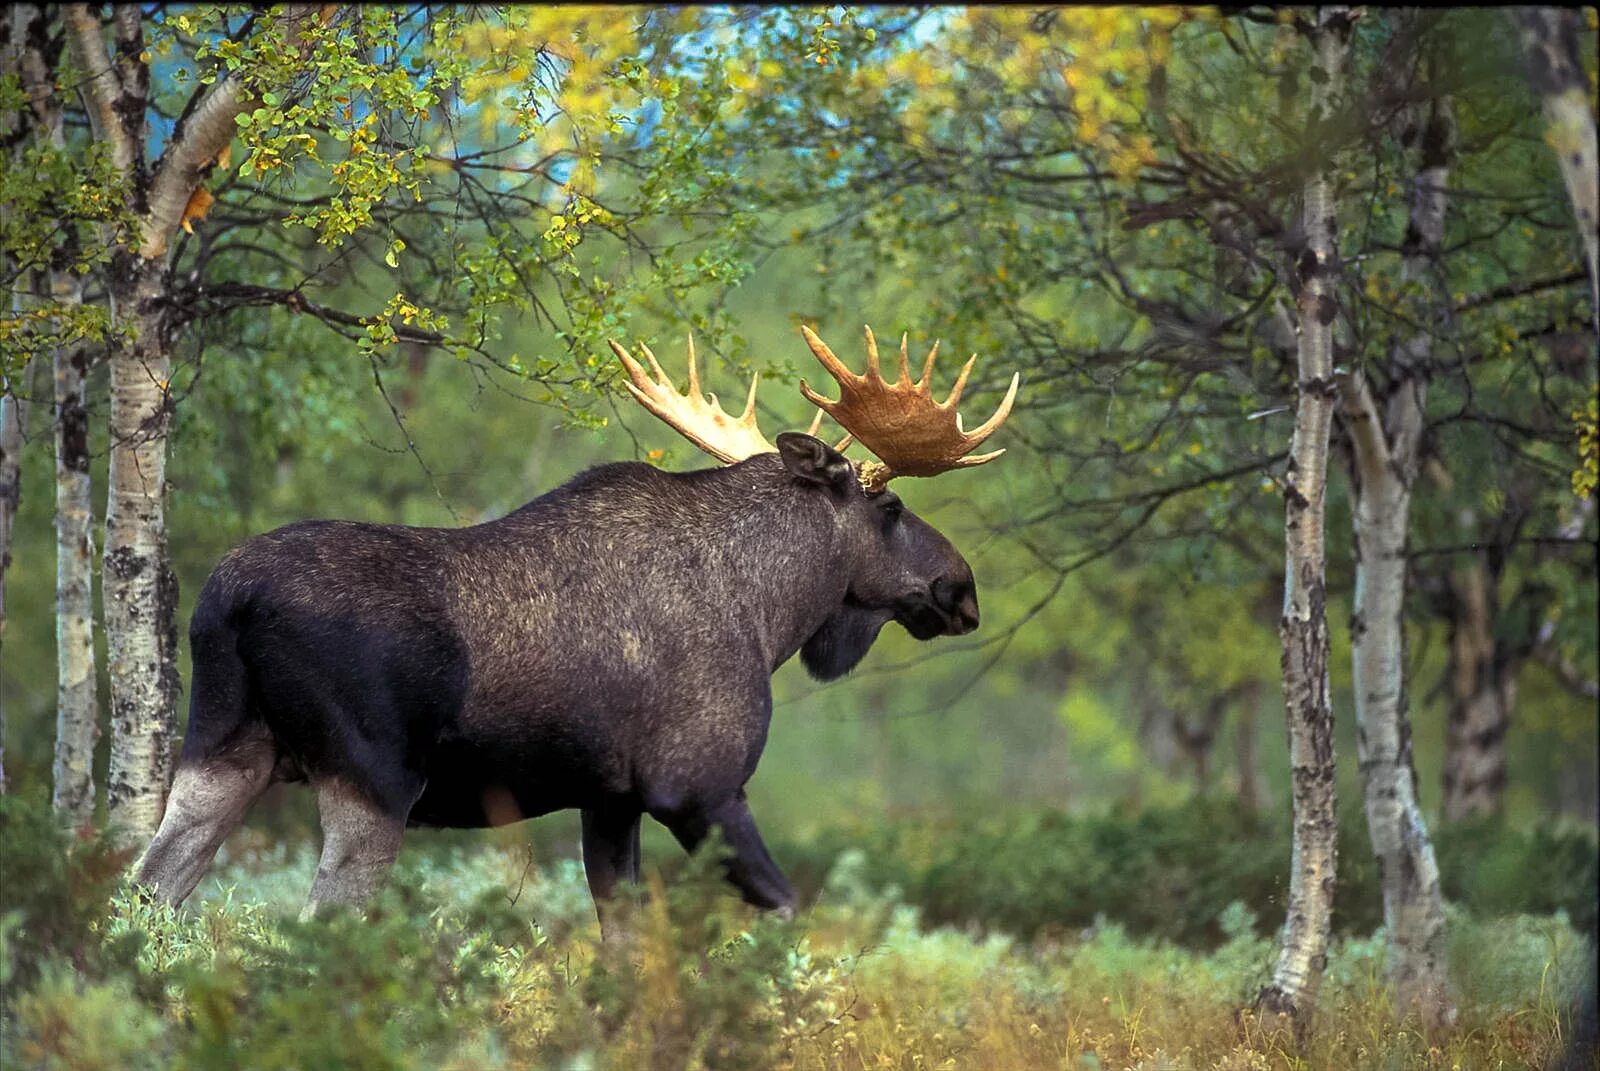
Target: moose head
x=900 y=568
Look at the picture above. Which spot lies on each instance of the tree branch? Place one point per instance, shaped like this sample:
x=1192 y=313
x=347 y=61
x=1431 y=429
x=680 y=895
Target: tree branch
x=1360 y=414
x=100 y=85
x=194 y=145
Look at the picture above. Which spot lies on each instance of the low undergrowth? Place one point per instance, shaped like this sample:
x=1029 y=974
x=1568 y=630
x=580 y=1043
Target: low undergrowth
x=472 y=958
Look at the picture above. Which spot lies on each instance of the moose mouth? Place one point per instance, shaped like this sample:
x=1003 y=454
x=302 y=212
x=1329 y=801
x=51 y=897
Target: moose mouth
x=924 y=618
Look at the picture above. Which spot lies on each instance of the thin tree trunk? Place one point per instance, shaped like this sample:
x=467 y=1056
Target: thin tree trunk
x=1384 y=461
x=13 y=418
x=1413 y=905
x=15 y=25
x=1303 y=630
x=1482 y=692
x=13 y=427
x=78 y=700
x=1249 y=794
x=1550 y=37
x=77 y=708
x=138 y=588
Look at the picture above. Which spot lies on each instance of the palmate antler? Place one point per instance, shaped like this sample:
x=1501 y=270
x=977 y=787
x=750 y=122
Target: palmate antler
x=912 y=434
x=701 y=420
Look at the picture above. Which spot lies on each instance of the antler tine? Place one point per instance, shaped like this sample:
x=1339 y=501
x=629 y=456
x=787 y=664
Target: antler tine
x=900 y=422
x=700 y=419
x=694 y=373
x=655 y=366
x=835 y=367
x=925 y=384
x=961 y=385
x=988 y=427
x=750 y=402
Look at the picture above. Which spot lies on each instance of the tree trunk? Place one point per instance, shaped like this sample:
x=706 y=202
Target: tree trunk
x=1482 y=692
x=1550 y=38
x=1249 y=793
x=15 y=24
x=13 y=418
x=1384 y=469
x=1303 y=630
x=138 y=588
x=1385 y=450
x=78 y=700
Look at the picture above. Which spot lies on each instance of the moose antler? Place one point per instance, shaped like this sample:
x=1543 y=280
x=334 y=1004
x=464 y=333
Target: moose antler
x=912 y=434
x=700 y=420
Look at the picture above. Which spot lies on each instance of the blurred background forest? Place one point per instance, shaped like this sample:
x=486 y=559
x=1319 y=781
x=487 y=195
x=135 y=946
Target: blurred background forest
x=394 y=310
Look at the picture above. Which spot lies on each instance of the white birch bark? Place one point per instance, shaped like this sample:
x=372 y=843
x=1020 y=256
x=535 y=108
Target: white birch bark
x=1385 y=455
x=1413 y=905
x=138 y=588
x=77 y=687
x=1303 y=630
x=77 y=707
x=1550 y=38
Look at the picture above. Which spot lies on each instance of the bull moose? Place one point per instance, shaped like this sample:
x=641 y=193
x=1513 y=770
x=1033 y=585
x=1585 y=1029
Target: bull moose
x=608 y=646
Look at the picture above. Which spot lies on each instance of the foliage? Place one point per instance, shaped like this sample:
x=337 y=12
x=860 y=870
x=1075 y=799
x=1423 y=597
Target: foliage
x=1172 y=873
x=470 y=960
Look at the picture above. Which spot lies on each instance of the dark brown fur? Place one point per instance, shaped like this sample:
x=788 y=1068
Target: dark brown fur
x=608 y=646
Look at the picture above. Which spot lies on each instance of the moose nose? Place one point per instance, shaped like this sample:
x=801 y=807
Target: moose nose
x=959 y=601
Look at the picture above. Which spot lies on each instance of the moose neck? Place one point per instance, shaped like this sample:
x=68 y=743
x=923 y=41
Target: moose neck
x=785 y=553
x=745 y=555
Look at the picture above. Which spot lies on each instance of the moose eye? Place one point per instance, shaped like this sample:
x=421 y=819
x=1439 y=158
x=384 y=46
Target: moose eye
x=891 y=506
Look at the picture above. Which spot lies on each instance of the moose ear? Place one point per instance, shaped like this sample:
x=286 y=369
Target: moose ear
x=809 y=458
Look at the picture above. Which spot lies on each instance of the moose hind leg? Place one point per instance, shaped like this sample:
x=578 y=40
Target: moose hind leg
x=360 y=840
x=208 y=800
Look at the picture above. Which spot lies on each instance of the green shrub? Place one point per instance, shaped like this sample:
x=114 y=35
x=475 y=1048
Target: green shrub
x=1170 y=873
x=55 y=891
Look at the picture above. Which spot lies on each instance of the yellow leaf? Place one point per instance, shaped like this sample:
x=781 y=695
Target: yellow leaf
x=199 y=204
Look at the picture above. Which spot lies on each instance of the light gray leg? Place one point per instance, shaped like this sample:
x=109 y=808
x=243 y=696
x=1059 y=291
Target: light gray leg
x=359 y=844
x=207 y=802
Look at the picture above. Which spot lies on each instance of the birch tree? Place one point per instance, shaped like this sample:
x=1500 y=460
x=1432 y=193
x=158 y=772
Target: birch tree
x=1385 y=449
x=139 y=590
x=1550 y=37
x=1303 y=631
x=77 y=706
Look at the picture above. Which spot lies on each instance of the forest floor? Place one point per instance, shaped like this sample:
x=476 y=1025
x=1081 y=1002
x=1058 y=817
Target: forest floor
x=476 y=958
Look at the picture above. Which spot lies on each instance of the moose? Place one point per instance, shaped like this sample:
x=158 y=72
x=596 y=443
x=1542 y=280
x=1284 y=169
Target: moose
x=609 y=646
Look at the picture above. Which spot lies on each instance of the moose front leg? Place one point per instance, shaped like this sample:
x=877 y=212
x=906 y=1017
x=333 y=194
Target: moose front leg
x=749 y=867
x=610 y=853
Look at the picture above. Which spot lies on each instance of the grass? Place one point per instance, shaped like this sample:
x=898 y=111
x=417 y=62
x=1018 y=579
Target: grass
x=475 y=958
